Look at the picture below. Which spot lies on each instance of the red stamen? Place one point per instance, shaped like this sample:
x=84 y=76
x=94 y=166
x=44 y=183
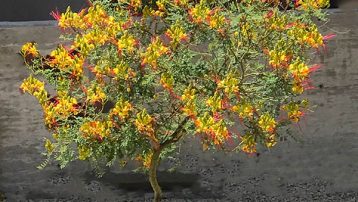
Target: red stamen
x=314 y=68
x=329 y=36
x=269 y=14
x=56 y=15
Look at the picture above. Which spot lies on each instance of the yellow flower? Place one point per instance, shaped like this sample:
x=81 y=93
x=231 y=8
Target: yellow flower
x=299 y=70
x=297 y=88
x=305 y=34
x=135 y=4
x=153 y=52
x=293 y=111
x=216 y=20
x=123 y=71
x=96 y=16
x=188 y=94
x=216 y=130
x=312 y=4
x=60 y=58
x=60 y=107
x=270 y=140
x=35 y=87
x=204 y=123
x=96 y=129
x=70 y=19
x=167 y=80
x=200 y=12
x=161 y=4
x=248 y=143
x=147 y=159
x=113 y=27
x=220 y=132
x=188 y=97
x=215 y=102
x=229 y=84
x=144 y=123
x=95 y=94
x=278 y=58
x=127 y=42
x=49 y=146
x=277 y=21
x=176 y=33
x=189 y=108
x=267 y=123
x=182 y=3
x=30 y=49
x=122 y=108
x=244 y=109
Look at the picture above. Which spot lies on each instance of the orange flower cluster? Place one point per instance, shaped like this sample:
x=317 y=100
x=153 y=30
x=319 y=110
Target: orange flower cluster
x=96 y=130
x=123 y=71
x=182 y=3
x=95 y=94
x=248 y=143
x=267 y=123
x=29 y=48
x=215 y=102
x=167 y=81
x=276 y=22
x=279 y=58
x=121 y=109
x=216 y=129
x=154 y=51
x=127 y=43
x=146 y=159
x=177 y=34
x=216 y=20
x=306 y=35
x=144 y=123
x=294 y=110
x=229 y=84
x=62 y=59
x=188 y=98
x=97 y=28
x=300 y=72
x=59 y=108
x=35 y=87
x=244 y=109
x=201 y=13
x=92 y=18
x=314 y=4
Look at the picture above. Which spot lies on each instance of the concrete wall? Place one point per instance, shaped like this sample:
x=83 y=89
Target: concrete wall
x=35 y=10
x=323 y=166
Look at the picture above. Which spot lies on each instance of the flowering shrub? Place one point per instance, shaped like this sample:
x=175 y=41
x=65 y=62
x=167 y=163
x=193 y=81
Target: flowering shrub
x=132 y=79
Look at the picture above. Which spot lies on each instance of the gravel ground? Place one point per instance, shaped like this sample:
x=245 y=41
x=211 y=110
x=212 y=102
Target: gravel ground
x=323 y=166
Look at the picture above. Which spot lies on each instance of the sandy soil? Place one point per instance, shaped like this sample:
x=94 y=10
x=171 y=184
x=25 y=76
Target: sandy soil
x=322 y=167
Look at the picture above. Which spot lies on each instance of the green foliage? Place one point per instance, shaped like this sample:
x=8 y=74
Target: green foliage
x=133 y=78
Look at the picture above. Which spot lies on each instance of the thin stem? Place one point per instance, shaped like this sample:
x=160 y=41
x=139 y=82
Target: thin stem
x=153 y=176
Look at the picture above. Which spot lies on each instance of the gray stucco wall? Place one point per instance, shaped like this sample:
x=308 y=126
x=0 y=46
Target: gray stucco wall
x=323 y=166
x=35 y=10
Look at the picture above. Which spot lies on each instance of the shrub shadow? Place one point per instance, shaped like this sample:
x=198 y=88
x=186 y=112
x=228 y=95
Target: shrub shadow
x=131 y=181
x=180 y=184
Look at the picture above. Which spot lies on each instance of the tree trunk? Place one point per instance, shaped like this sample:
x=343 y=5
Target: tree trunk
x=153 y=176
